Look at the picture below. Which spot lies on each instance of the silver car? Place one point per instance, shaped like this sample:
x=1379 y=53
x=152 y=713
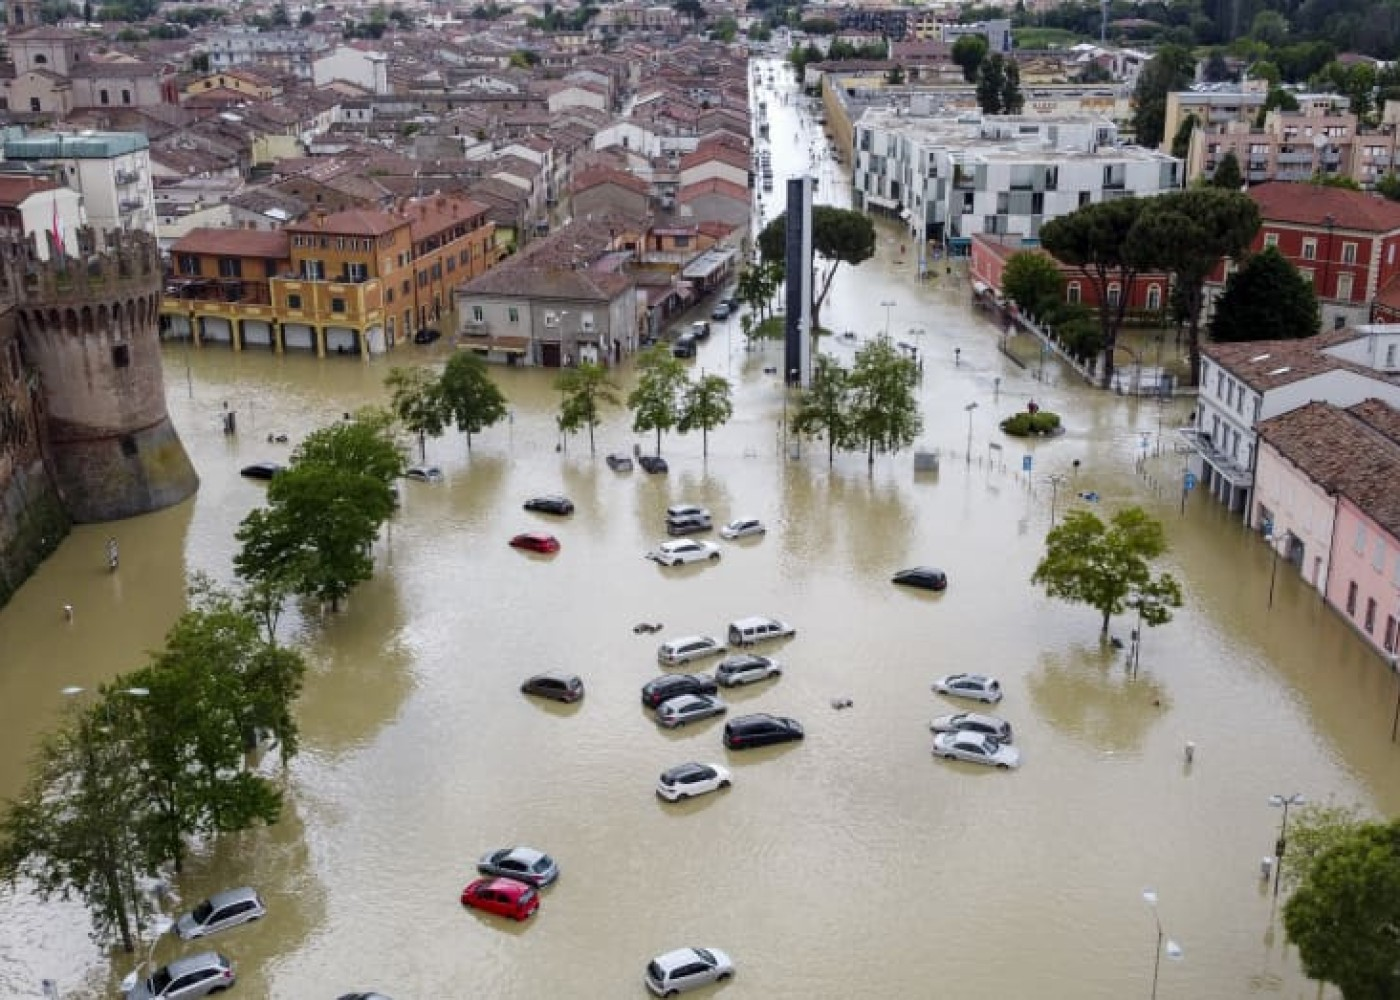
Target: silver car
x=687 y=969
x=744 y=527
x=746 y=668
x=688 y=708
x=978 y=687
x=220 y=912
x=973 y=722
x=186 y=978
x=976 y=748
x=524 y=864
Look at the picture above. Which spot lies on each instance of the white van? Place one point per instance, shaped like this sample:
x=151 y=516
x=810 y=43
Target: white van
x=748 y=631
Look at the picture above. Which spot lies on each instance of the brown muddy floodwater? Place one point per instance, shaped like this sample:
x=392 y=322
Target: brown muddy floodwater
x=851 y=865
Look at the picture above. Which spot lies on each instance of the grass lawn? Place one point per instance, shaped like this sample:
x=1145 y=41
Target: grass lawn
x=1045 y=38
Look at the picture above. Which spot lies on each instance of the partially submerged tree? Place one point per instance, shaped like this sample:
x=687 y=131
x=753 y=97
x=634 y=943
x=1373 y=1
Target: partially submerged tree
x=586 y=389
x=472 y=400
x=705 y=404
x=1033 y=281
x=883 y=413
x=1106 y=566
x=823 y=408
x=1266 y=299
x=418 y=405
x=655 y=401
x=839 y=236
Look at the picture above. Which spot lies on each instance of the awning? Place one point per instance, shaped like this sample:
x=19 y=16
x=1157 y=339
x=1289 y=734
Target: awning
x=707 y=264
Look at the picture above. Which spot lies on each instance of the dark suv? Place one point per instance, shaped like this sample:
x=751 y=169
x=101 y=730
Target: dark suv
x=673 y=685
x=684 y=347
x=760 y=731
x=687 y=524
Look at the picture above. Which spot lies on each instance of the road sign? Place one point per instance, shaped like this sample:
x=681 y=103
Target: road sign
x=1190 y=481
x=1026 y=462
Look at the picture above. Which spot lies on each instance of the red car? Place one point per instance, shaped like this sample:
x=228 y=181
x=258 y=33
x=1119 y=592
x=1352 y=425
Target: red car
x=503 y=896
x=535 y=541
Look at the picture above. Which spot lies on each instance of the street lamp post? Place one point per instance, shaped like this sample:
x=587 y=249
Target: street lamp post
x=1173 y=949
x=968 y=409
x=1273 y=570
x=1331 y=223
x=888 y=304
x=1296 y=799
x=1055 y=482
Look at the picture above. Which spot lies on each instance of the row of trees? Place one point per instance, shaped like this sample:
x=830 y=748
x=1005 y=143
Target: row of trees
x=869 y=407
x=152 y=759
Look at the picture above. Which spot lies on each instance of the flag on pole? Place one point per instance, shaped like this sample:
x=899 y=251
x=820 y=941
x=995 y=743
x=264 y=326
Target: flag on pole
x=57 y=230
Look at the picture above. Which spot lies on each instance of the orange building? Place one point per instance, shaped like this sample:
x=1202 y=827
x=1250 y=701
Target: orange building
x=352 y=282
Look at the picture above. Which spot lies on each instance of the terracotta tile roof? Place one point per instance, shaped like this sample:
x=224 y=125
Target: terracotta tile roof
x=1380 y=415
x=1343 y=453
x=714 y=185
x=15 y=188
x=427 y=216
x=1268 y=364
x=716 y=152
x=598 y=176
x=352 y=222
x=268 y=244
x=1311 y=204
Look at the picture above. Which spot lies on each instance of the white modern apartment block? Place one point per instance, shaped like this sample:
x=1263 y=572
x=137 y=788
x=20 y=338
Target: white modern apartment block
x=951 y=177
x=293 y=52
x=111 y=170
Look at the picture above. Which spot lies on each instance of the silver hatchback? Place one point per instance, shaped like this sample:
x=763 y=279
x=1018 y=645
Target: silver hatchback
x=186 y=978
x=220 y=912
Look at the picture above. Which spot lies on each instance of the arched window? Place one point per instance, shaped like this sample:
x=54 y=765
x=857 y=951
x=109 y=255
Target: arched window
x=1154 y=297
x=40 y=59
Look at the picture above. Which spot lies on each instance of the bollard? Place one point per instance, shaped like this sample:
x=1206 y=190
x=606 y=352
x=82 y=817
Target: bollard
x=1266 y=868
x=1190 y=751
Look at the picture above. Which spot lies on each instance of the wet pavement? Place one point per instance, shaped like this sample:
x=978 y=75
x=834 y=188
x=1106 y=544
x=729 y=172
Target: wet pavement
x=852 y=864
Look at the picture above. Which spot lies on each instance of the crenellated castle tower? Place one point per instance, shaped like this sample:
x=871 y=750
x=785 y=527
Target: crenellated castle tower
x=86 y=320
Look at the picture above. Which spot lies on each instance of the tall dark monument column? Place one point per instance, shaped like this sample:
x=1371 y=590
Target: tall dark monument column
x=797 y=361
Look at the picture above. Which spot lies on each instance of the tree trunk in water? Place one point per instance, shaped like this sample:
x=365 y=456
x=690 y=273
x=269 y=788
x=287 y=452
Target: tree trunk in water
x=658 y=440
x=704 y=442
x=116 y=902
x=592 y=448
x=422 y=447
x=1103 y=632
x=469 y=442
x=870 y=456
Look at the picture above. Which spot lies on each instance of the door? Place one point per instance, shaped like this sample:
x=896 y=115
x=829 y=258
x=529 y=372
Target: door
x=549 y=355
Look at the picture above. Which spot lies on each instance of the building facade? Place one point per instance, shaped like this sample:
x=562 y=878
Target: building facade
x=111 y=170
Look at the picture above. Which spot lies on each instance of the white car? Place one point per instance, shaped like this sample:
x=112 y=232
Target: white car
x=423 y=473
x=687 y=969
x=976 y=748
x=684 y=550
x=973 y=722
x=744 y=527
x=746 y=668
x=687 y=708
x=685 y=781
x=978 y=687
x=673 y=652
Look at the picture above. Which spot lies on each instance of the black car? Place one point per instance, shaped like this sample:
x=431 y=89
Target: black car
x=653 y=465
x=687 y=524
x=923 y=577
x=684 y=347
x=555 y=686
x=654 y=692
x=760 y=730
x=260 y=470
x=427 y=336
x=562 y=506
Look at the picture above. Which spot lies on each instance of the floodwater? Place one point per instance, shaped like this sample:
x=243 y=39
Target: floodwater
x=851 y=865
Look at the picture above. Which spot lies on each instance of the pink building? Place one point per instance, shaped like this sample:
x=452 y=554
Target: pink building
x=1327 y=495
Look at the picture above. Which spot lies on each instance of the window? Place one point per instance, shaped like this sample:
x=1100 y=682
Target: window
x=1306 y=273
x=1378 y=555
x=337 y=305
x=1115 y=292
x=1348 y=253
x=40 y=59
x=1310 y=249
x=1351 y=598
x=230 y=267
x=356 y=272
x=121 y=355
x=682 y=242
x=1391 y=627
x=1154 y=297
x=126 y=97
x=128 y=445
x=551 y=319
x=34 y=104
x=1390 y=356
x=103 y=98
x=189 y=264
x=1359 y=545
x=1271 y=239
x=478 y=316
x=1370 y=615
x=293 y=301
x=1344 y=287
x=1084 y=198
x=513 y=314
x=313 y=270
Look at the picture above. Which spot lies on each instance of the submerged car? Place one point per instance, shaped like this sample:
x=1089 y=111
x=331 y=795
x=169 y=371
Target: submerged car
x=687 y=551
x=976 y=748
x=555 y=686
x=186 y=978
x=502 y=896
x=423 y=473
x=687 y=969
x=973 y=722
x=760 y=730
x=619 y=462
x=653 y=465
x=524 y=864
x=220 y=912
x=669 y=686
x=687 y=708
x=744 y=527
x=427 y=336
x=687 y=524
x=746 y=668
x=922 y=577
x=261 y=470
x=535 y=541
x=978 y=687
x=691 y=647
x=551 y=504
x=685 y=781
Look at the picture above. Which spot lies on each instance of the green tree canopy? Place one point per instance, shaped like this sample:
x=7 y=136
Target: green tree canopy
x=473 y=400
x=1266 y=299
x=1345 y=917
x=705 y=404
x=416 y=401
x=1033 y=281
x=1106 y=566
x=1389 y=186
x=363 y=444
x=1171 y=69
x=1192 y=230
x=991 y=83
x=1108 y=244
x=968 y=53
x=655 y=400
x=839 y=236
x=882 y=411
x=824 y=407
x=1228 y=176
x=585 y=389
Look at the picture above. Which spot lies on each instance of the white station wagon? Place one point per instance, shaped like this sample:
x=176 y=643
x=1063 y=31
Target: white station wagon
x=683 y=551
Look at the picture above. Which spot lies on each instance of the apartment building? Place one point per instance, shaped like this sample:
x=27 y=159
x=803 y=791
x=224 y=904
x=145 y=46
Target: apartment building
x=950 y=178
x=353 y=282
x=111 y=170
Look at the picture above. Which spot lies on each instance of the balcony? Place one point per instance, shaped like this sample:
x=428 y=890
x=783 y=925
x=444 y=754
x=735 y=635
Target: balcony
x=1234 y=473
x=131 y=204
x=125 y=177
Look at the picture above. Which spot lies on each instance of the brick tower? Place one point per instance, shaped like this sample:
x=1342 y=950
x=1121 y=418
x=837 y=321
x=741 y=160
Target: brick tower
x=86 y=321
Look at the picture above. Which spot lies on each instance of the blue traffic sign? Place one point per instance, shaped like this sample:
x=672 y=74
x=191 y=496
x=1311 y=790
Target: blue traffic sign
x=1026 y=463
x=1190 y=481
